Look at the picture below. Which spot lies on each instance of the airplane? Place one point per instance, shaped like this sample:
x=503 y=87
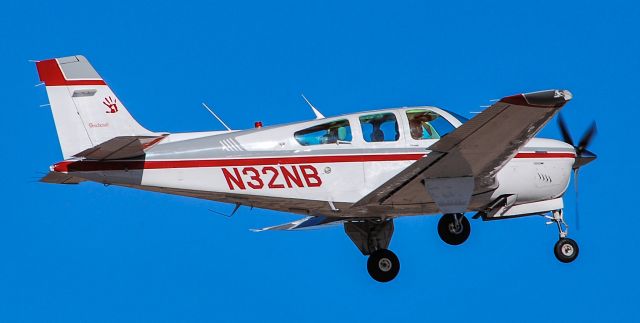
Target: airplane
x=359 y=170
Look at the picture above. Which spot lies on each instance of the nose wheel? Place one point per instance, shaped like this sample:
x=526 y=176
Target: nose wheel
x=383 y=265
x=566 y=249
x=454 y=229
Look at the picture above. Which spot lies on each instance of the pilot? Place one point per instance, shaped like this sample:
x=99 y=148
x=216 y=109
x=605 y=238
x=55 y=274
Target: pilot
x=419 y=124
x=416 y=128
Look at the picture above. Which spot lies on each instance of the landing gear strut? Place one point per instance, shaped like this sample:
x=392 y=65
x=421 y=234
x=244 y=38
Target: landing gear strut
x=566 y=250
x=372 y=239
x=454 y=229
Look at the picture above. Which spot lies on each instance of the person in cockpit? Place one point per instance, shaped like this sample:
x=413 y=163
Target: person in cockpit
x=420 y=127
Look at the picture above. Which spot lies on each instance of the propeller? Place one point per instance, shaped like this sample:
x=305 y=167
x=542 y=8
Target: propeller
x=583 y=155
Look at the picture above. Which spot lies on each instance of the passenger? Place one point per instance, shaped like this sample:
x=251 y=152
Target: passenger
x=397 y=131
x=331 y=137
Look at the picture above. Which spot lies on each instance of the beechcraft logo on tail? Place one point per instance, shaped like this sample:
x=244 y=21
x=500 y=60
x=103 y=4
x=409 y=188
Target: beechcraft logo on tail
x=111 y=103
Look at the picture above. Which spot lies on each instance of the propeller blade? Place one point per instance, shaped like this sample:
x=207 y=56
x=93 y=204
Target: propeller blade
x=583 y=158
x=586 y=138
x=566 y=136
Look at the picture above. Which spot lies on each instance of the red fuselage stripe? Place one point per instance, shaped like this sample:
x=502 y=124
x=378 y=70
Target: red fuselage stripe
x=545 y=155
x=86 y=166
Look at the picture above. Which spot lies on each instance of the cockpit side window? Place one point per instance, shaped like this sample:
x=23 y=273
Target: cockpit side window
x=326 y=133
x=426 y=124
x=380 y=127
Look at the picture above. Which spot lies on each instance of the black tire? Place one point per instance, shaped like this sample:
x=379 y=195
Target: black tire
x=383 y=265
x=451 y=234
x=566 y=250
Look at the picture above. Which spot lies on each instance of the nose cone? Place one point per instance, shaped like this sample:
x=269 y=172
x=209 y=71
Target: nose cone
x=584 y=158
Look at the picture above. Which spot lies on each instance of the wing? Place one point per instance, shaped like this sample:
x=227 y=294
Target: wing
x=466 y=160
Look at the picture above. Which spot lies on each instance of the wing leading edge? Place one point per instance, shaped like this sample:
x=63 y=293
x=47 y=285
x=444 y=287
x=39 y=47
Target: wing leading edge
x=467 y=159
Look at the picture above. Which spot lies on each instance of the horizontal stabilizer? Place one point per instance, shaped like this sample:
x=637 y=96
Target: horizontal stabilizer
x=310 y=222
x=120 y=148
x=60 y=178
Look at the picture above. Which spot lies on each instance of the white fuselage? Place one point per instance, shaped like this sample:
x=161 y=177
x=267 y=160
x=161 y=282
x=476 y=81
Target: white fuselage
x=269 y=168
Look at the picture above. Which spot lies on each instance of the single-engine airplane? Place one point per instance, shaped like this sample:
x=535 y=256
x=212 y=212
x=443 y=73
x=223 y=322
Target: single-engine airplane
x=360 y=170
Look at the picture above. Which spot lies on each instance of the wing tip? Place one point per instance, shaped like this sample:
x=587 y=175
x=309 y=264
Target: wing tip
x=544 y=99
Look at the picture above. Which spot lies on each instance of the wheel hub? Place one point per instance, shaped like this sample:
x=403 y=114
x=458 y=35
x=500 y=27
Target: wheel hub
x=385 y=264
x=567 y=250
x=455 y=228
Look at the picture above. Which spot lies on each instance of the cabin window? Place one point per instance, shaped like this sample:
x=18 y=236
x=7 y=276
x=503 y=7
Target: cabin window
x=426 y=124
x=334 y=132
x=380 y=127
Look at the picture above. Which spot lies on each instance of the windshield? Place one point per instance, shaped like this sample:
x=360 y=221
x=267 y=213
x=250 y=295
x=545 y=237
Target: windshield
x=457 y=116
x=426 y=124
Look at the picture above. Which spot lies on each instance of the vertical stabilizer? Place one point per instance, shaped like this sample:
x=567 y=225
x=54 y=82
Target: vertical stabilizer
x=85 y=110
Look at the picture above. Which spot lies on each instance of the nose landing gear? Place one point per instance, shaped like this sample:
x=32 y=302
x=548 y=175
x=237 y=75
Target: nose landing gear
x=566 y=249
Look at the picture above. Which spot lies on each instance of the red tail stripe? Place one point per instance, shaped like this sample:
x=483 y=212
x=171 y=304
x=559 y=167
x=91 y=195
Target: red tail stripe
x=51 y=75
x=67 y=166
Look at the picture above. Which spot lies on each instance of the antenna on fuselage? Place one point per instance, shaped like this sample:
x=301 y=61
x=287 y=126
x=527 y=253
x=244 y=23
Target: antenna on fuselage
x=235 y=209
x=315 y=111
x=216 y=116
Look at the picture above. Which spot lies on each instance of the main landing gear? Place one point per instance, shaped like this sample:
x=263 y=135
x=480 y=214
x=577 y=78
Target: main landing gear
x=383 y=265
x=454 y=229
x=373 y=238
x=566 y=250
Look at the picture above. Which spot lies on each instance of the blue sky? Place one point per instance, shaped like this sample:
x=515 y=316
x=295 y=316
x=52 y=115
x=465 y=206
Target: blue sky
x=90 y=253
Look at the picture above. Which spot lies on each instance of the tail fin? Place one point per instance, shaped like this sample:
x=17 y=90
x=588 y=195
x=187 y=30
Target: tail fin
x=85 y=110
